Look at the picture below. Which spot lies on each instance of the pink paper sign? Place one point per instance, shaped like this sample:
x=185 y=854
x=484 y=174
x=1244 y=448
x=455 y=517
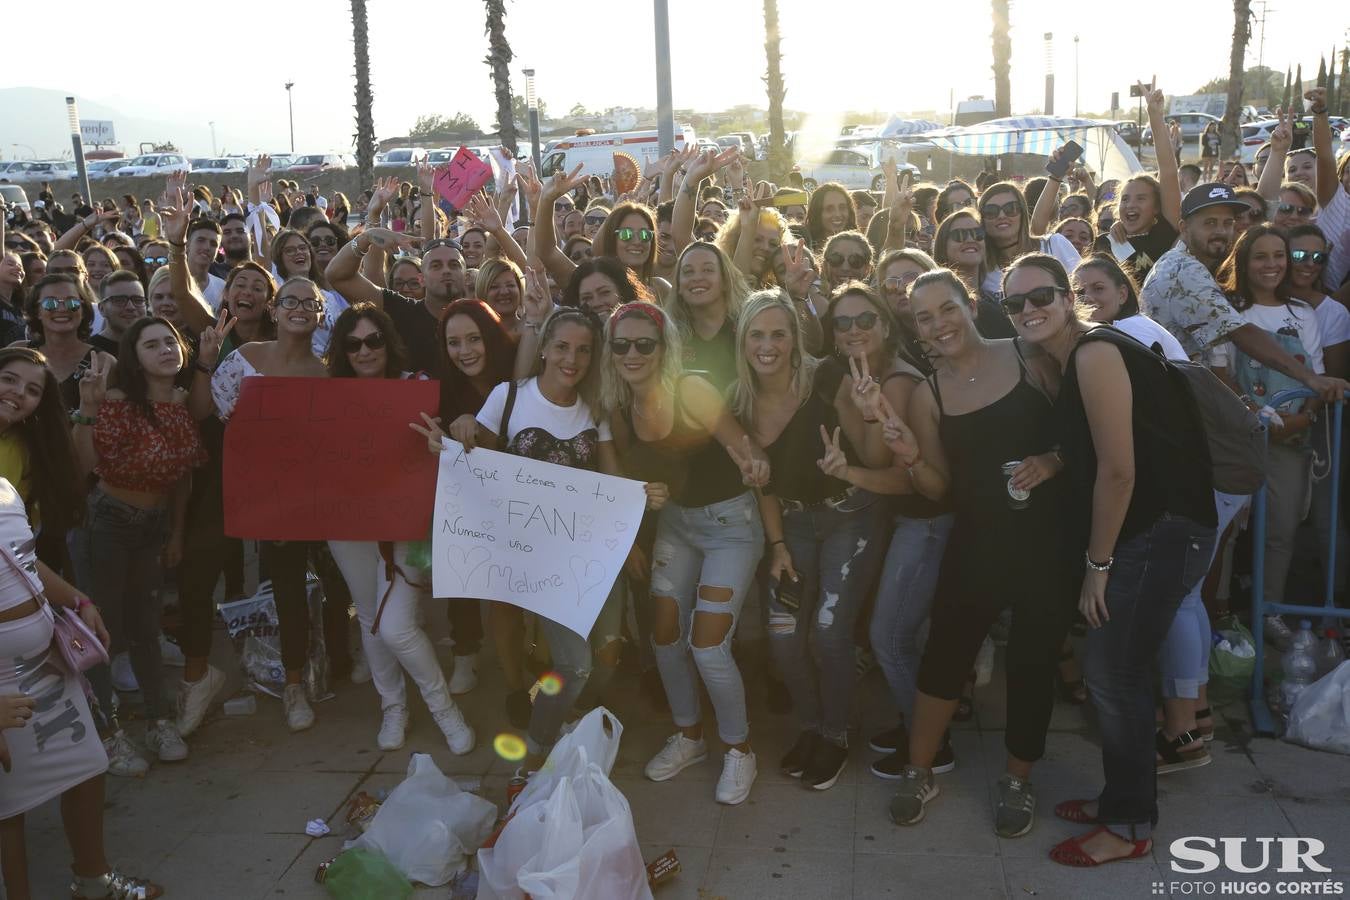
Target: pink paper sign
x=459 y=179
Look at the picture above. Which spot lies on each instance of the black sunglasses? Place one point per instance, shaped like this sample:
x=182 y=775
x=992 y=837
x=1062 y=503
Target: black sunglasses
x=854 y=260
x=1287 y=208
x=865 y=322
x=352 y=344
x=961 y=235
x=324 y=241
x=1316 y=257
x=645 y=346
x=994 y=210
x=596 y=220
x=441 y=242
x=1038 y=297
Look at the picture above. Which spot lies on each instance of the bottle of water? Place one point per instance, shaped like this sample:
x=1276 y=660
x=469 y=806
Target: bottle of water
x=1330 y=653
x=1300 y=669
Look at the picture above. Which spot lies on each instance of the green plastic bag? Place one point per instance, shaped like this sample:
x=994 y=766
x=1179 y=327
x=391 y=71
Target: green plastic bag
x=362 y=874
x=419 y=554
x=1230 y=675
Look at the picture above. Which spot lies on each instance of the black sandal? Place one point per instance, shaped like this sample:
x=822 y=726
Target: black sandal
x=1204 y=733
x=1073 y=692
x=1171 y=758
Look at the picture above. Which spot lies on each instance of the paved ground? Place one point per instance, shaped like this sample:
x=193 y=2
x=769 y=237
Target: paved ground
x=229 y=822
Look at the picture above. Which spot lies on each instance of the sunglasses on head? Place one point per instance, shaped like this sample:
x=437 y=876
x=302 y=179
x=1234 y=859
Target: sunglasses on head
x=854 y=260
x=353 y=344
x=642 y=234
x=595 y=220
x=125 y=300
x=324 y=241
x=645 y=346
x=1315 y=257
x=1039 y=297
x=865 y=322
x=52 y=304
x=1288 y=208
x=995 y=210
x=308 y=304
x=962 y=235
x=441 y=242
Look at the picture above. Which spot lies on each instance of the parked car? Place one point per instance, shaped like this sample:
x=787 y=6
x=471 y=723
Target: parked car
x=319 y=162
x=43 y=170
x=1192 y=125
x=742 y=139
x=1128 y=131
x=441 y=156
x=281 y=161
x=157 y=164
x=222 y=165
x=9 y=168
x=1256 y=134
x=14 y=197
x=401 y=157
x=856 y=168
x=107 y=168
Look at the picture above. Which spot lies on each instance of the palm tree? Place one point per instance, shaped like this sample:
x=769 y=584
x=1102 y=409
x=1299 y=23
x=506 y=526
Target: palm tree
x=779 y=162
x=365 y=99
x=1242 y=33
x=499 y=60
x=1002 y=61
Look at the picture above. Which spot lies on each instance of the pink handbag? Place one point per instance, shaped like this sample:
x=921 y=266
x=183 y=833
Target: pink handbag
x=79 y=647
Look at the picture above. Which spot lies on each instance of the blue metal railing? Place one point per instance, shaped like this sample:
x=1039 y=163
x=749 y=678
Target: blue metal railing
x=1263 y=723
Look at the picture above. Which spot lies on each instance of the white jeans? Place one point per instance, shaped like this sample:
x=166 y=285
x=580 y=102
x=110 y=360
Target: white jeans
x=400 y=640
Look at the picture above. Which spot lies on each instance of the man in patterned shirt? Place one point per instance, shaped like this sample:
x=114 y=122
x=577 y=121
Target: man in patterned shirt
x=1181 y=294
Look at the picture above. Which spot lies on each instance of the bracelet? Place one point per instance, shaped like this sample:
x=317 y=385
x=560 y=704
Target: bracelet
x=80 y=418
x=356 y=247
x=182 y=246
x=82 y=602
x=779 y=541
x=203 y=368
x=1096 y=566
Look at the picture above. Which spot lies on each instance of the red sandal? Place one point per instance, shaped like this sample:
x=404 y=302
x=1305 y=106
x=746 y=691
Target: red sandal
x=1071 y=852
x=1072 y=811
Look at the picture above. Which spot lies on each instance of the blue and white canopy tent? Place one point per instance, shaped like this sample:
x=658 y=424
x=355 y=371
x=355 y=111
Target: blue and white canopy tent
x=1105 y=153
x=897 y=127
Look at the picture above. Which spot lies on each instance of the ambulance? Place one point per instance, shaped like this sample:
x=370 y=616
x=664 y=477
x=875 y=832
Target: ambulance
x=596 y=151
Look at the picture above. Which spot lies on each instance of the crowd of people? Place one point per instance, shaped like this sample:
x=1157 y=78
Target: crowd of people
x=888 y=425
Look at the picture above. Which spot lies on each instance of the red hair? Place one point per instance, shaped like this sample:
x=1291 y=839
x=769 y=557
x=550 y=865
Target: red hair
x=458 y=395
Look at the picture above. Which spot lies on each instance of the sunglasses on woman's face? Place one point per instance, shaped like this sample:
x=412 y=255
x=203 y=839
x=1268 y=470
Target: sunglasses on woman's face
x=595 y=220
x=1310 y=257
x=156 y=260
x=1287 y=209
x=642 y=234
x=854 y=260
x=865 y=322
x=1038 y=297
x=897 y=282
x=353 y=344
x=1006 y=210
x=52 y=304
x=962 y=235
x=578 y=255
x=645 y=346
x=308 y=304
x=324 y=241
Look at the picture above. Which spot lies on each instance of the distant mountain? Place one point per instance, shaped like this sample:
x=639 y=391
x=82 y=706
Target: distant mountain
x=36 y=118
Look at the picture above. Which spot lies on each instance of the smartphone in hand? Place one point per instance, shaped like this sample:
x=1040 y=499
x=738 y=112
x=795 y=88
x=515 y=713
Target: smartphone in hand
x=1071 y=152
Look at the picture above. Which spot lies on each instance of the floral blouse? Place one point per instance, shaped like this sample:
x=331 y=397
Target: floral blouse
x=137 y=454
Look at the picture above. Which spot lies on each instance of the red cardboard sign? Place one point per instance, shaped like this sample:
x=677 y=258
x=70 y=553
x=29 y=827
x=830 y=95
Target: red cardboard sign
x=309 y=459
x=459 y=179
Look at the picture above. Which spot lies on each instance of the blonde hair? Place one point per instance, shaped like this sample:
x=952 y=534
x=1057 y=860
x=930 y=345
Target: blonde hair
x=1304 y=192
x=589 y=388
x=745 y=389
x=732 y=282
x=730 y=233
x=488 y=272
x=615 y=392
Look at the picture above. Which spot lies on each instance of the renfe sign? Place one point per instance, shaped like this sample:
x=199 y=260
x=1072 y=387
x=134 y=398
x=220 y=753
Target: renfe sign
x=97 y=131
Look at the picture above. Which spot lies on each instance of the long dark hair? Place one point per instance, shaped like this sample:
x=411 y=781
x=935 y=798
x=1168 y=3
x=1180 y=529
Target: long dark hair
x=57 y=488
x=315 y=274
x=815 y=212
x=626 y=281
x=1117 y=275
x=129 y=375
x=1232 y=275
x=458 y=395
x=396 y=355
x=606 y=240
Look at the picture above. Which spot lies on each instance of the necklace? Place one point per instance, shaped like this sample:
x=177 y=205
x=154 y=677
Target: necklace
x=637 y=409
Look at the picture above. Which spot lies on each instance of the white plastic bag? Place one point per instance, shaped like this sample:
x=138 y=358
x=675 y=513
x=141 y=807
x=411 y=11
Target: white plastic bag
x=428 y=827
x=594 y=740
x=1321 y=717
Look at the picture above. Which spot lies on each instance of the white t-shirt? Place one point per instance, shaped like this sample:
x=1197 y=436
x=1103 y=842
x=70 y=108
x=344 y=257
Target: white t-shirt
x=570 y=432
x=214 y=292
x=1057 y=245
x=1334 y=321
x=1148 y=332
x=1294 y=317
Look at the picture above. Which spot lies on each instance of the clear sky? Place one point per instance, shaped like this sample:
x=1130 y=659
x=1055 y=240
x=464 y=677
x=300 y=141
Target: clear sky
x=427 y=57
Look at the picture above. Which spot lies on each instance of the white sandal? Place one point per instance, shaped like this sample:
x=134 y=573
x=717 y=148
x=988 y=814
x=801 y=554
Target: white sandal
x=113 y=885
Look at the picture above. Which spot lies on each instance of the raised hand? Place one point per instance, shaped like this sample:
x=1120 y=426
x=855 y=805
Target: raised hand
x=1317 y=100
x=736 y=172
x=866 y=392
x=1282 y=136
x=426 y=179
x=213 y=338
x=752 y=462
x=432 y=432
x=538 y=301
x=258 y=170
x=798 y=274
x=94 y=383
x=529 y=185
x=1153 y=98
x=563 y=183
x=481 y=211
x=834 y=463
x=897 y=435
x=173 y=211
x=391 y=241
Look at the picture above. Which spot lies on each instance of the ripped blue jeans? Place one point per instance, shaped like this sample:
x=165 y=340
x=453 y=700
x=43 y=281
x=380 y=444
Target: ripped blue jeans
x=713 y=546
x=836 y=552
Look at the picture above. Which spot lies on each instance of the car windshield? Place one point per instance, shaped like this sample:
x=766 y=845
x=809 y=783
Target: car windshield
x=143 y=161
x=398 y=156
x=309 y=161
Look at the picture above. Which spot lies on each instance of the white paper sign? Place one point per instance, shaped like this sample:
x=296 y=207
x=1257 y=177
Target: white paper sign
x=546 y=538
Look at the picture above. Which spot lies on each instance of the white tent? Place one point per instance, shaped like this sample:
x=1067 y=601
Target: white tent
x=898 y=127
x=1105 y=153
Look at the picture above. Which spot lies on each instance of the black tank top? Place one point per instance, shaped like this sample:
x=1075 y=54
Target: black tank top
x=794 y=474
x=689 y=461
x=1019 y=424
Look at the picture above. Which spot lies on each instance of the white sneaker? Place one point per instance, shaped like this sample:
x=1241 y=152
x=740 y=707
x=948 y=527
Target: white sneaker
x=299 y=715
x=465 y=676
x=163 y=738
x=738 y=774
x=393 y=727
x=170 y=654
x=123 y=759
x=123 y=678
x=195 y=699
x=678 y=754
x=457 y=732
x=360 y=669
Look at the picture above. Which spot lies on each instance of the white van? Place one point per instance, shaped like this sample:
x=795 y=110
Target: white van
x=596 y=151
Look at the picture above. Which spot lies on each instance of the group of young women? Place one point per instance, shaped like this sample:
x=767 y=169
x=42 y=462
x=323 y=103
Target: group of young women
x=868 y=438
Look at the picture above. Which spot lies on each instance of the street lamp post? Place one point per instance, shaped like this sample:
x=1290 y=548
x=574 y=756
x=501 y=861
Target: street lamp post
x=81 y=175
x=532 y=105
x=1049 y=74
x=213 y=138
x=1075 y=76
x=665 y=113
x=290 y=112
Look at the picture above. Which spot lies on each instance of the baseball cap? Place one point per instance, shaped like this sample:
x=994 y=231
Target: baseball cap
x=1203 y=195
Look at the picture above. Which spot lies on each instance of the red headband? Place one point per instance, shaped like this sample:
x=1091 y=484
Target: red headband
x=650 y=310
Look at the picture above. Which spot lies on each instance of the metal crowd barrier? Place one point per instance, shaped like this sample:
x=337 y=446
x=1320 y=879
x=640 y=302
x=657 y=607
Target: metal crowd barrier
x=1263 y=722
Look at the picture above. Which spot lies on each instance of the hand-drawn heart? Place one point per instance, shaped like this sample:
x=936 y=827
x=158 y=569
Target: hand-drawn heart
x=453 y=489
x=611 y=543
x=487 y=524
x=495 y=501
x=620 y=526
x=450 y=509
x=586 y=520
x=465 y=562
x=588 y=574
x=584 y=536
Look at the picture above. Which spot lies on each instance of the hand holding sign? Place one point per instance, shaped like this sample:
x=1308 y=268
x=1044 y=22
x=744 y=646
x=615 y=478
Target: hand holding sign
x=459 y=179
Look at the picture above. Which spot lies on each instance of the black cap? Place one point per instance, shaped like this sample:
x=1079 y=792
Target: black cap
x=1215 y=193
